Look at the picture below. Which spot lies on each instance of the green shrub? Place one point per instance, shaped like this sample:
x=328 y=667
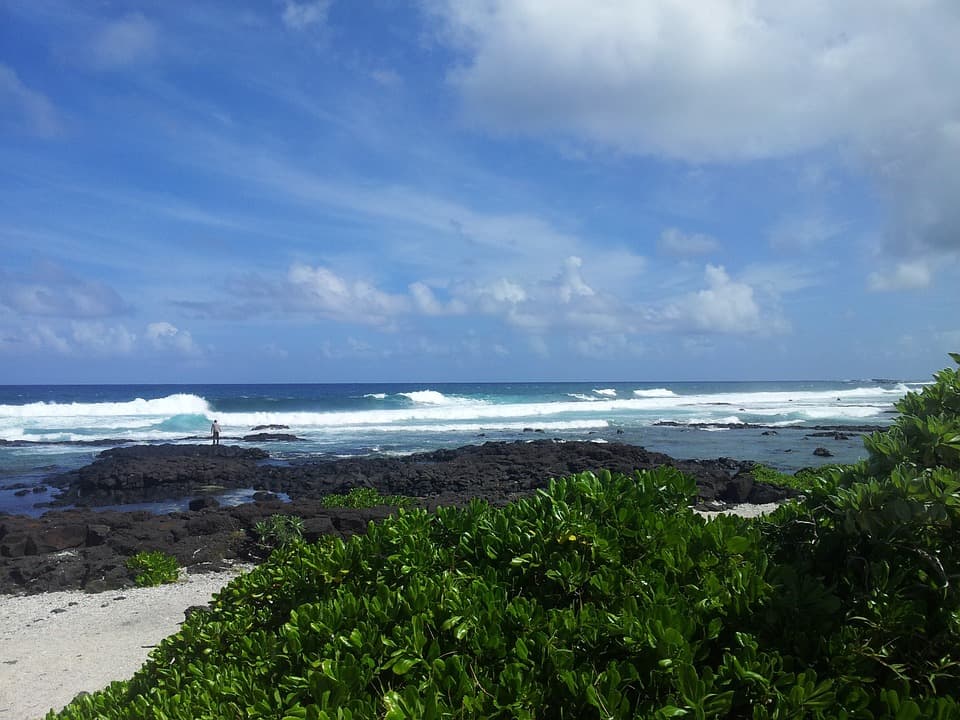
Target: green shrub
x=801 y=480
x=279 y=530
x=154 y=568
x=362 y=497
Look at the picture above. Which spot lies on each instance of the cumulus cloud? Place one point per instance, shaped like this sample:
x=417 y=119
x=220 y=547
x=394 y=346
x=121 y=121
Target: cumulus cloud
x=319 y=289
x=129 y=41
x=497 y=295
x=427 y=303
x=168 y=338
x=302 y=15
x=708 y=81
x=26 y=110
x=905 y=276
x=675 y=242
x=571 y=283
x=724 y=306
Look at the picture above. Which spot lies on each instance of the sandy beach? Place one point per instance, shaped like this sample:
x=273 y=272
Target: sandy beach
x=55 y=645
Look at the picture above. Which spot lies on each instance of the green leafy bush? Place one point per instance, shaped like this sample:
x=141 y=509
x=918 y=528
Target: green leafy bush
x=603 y=596
x=154 y=568
x=801 y=480
x=362 y=497
x=279 y=530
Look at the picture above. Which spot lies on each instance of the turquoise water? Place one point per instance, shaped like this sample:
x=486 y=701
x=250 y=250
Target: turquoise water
x=40 y=425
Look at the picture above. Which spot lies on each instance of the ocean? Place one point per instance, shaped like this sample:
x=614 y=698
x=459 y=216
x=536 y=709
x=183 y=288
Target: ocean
x=48 y=429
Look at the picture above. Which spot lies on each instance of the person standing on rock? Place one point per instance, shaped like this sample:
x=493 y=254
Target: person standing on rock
x=215 y=431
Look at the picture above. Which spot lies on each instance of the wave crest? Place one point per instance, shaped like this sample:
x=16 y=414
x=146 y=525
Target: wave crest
x=655 y=393
x=178 y=404
x=436 y=398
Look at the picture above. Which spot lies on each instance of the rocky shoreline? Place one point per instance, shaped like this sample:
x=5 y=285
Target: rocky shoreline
x=82 y=548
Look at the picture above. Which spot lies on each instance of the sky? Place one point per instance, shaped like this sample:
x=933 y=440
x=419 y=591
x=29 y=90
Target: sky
x=478 y=190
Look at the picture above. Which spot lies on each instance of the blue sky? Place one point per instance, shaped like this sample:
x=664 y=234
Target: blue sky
x=443 y=190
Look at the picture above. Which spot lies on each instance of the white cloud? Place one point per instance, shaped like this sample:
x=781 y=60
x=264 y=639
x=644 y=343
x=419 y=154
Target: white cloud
x=703 y=79
x=44 y=337
x=302 y=15
x=426 y=302
x=675 y=242
x=26 y=110
x=905 y=276
x=319 y=289
x=51 y=291
x=725 y=306
x=122 y=43
x=499 y=294
x=102 y=339
x=167 y=337
x=571 y=282
x=709 y=81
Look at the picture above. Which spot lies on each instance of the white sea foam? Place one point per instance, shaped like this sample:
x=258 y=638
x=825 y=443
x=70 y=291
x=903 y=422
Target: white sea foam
x=432 y=397
x=179 y=404
x=556 y=426
x=376 y=396
x=160 y=418
x=606 y=392
x=655 y=393
x=725 y=420
x=581 y=396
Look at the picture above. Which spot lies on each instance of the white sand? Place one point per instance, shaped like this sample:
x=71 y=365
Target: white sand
x=48 y=656
x=747 y=510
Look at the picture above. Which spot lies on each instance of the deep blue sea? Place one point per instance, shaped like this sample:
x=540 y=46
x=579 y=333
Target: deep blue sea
x=345 y=420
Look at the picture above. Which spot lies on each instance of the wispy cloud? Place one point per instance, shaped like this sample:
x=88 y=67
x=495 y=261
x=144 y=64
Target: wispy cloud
x=303 y=15
x=51 y=291
x=28 y=111
x=129 y=41
x=675 y=242
x=904 y=276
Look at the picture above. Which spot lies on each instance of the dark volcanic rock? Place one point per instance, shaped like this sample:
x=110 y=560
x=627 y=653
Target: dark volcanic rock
x=147 y=473
x=822 y=452
x=270 y=437
x=255 y=428
x=80 y=548
x=830 y=433
x=204 y=503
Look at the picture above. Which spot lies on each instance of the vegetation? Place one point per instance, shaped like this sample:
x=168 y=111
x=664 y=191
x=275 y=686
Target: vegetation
x=279 y=531
x=801 y=480
x=603 y=596
x=154 y=568
x=362 y=497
